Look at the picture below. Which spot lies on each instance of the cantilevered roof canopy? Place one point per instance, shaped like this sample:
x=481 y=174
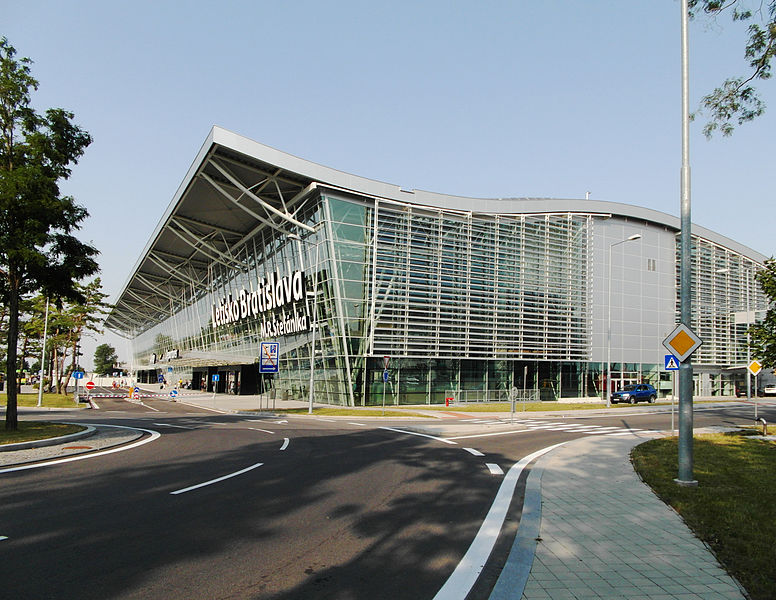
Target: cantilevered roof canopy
x=237 y=186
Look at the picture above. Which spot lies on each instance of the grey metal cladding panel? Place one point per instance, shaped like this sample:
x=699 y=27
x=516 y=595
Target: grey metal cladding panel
x=371 y=187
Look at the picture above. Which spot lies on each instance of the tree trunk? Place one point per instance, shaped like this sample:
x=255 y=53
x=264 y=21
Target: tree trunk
x=21 y=362
x=55 y=375
x=11 y=411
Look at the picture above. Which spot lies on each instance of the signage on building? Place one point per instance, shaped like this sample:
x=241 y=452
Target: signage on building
x=273 y=291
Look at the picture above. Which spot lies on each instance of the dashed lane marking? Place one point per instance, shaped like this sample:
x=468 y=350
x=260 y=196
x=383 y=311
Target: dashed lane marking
x=216 y=480
x=474 y=452
x=176 y=426
x=433 y=437
x=494 y=469
x=286 y=441
x=359 y=424
x=264 y=430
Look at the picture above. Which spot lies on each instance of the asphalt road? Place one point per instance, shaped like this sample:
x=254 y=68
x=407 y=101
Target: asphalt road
x=234 y=506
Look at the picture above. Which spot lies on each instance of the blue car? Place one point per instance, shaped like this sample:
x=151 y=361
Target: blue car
x=639 y=392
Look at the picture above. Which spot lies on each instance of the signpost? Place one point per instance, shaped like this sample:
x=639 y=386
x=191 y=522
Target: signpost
x=77 y=375
x=672 y=364
x=513 y=394
x=754 y=368
x=682 y=342
x=386 y=360
x=215 y=381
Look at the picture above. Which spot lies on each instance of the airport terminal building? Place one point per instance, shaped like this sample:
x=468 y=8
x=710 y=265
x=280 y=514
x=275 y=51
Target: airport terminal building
x=462 y=295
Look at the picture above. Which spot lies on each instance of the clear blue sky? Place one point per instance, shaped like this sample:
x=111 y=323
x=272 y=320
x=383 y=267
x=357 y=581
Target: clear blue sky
x=482 y=99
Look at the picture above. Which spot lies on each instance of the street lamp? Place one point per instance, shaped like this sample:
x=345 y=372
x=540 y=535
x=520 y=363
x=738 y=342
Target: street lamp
x=631 y=238
x=313 y=318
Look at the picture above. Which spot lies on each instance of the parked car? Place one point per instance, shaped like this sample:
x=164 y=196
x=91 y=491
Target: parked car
x=770 y=390
x=639 y=392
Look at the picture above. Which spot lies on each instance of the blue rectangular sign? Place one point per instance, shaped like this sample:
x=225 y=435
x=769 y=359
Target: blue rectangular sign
x=672 y=363
x=268 y=359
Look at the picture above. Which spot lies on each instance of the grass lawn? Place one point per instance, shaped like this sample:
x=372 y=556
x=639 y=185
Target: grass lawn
x=733 y=509
x=36 y=430
x=48 y=400
x=343 y=412
x=505 y=407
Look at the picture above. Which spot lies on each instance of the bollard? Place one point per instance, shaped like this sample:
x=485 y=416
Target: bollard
x=765 y=425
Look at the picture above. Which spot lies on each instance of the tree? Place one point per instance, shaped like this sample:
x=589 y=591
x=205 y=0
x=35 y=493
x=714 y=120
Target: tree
x=104 y=358
x=736 y=101
x=38 y=250
x=762 y=335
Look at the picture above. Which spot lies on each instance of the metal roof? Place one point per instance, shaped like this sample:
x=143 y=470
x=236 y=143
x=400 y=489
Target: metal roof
x=237 y=186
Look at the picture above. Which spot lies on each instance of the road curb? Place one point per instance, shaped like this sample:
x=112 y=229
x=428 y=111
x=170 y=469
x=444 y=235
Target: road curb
x=63 y=439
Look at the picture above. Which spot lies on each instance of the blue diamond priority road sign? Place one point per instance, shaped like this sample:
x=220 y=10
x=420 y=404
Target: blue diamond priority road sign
x=671 y=363
x=268 y=359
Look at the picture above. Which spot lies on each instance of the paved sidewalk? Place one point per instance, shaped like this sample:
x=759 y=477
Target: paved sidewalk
x=603 y=533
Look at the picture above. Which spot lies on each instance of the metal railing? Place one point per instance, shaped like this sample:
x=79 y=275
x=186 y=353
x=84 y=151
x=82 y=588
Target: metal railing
x=483 y=396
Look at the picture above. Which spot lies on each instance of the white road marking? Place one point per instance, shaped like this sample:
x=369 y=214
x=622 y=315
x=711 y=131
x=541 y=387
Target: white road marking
x=494 y=469
x=281 y=422
x=217 y=479
x=476 y=435
x=474 y=452
x=359 y=424
x=264 y=430
x=286 y=441
x=151 y=407
x=433 y=437
x=327 y=420
x=3 y=537
x=154 y=436
x=460 y=582
x=169 y=425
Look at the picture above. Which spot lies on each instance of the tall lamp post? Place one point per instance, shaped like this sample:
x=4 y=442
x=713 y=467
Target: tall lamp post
x=313 y=320
x=631 y=238
x=685 y=447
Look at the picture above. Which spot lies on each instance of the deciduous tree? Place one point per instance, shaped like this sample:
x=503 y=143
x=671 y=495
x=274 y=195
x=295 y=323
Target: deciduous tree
x=38 y=250
x=736 y=101
x=762 y=335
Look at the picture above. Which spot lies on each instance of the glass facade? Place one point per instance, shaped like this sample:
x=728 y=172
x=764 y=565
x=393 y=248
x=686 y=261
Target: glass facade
x=458 y=300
